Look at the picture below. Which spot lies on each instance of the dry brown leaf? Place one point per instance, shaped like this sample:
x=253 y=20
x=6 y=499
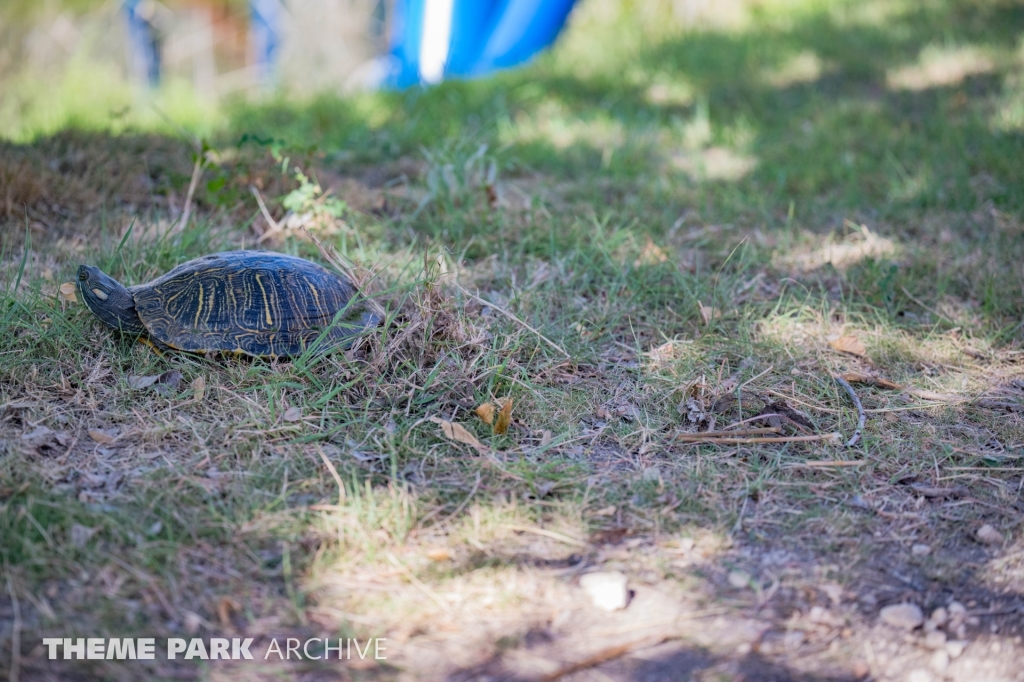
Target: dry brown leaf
x=292 y=414
x=871 y=380
x=849 y=344
x=486 y=412
x=457 y=432
x=707 y=313
x=68 y=292
x=439 y=554
x=504 y=416
x=198 y=389
x=224 y=608
x=101 y=437
x=651 y=254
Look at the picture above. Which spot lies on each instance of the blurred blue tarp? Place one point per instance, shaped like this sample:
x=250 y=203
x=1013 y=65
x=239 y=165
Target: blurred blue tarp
x=434 y=39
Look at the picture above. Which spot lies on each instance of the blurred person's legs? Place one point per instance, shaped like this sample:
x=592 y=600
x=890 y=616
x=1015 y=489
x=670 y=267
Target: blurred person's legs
x=143 y=40
x=265 y=37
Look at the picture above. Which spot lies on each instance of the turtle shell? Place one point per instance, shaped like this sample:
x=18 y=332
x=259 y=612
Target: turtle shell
x=258 y=303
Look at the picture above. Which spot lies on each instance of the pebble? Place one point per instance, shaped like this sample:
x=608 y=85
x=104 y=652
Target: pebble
x=606 y=589
x=955 y=647
x=905 y=616
x=739 y=579
x=989 y=535
x=920 y=550
x=935 y=640
x=939 y=661
x=919 y=675
x=940 y=616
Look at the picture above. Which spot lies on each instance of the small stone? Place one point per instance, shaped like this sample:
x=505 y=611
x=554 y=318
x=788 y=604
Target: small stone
x=739 y=579
x=919 y=675
x=793 y=639
x=606 y=589
x=935 y=640
x=861 y=669
x=920 y=550
x=956 y=610
x=940 y=616
x=904 y=616
x=989 y=535
x=939 y=661
x=955 y=647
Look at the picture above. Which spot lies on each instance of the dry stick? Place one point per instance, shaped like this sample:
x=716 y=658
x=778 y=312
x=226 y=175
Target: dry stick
x=727 y=434
x=546 y=533
x=513 y=318
x=274 y=226
x=861 y=417
x=759 y=417
x=337 y=478
x=609 y=654
x=15 y=670
x=186 y=212
x=781 y=439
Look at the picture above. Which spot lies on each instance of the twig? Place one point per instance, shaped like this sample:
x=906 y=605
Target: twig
x=197 y=171
x=704 y=435
x=420 y=585
x=546 y=533
x=337 y=478
x=513 y=318
x=781 y=439
x=274 y=226
x=15 y=671
x=825 y=463
x=861 y=417
x=609 y=654
x=759 y=417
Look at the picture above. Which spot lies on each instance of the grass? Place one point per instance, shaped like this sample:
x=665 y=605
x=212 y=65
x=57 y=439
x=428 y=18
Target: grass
x=692 y=216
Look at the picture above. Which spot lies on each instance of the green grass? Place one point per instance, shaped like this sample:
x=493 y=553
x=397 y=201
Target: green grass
x=820 y=169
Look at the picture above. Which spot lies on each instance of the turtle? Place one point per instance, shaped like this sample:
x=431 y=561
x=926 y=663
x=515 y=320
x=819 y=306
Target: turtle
x=255 y=303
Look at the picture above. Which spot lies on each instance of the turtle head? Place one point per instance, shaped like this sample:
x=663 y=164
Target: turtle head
x=109 y=300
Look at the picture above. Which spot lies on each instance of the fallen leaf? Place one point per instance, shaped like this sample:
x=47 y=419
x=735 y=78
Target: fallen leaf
x=80 y=535
x=68 y=292
x=504 y=416
x=486 y=412
x=651 y=254
x=198 y=390
x=225 y=606
x=168 y=382
x=849 y=344
x=292 y=414
x=707 y=313
x=439 y=554
x=101 y=437
x=871 y=380
x=457 y=432
x=140 y=382
x=545 y=438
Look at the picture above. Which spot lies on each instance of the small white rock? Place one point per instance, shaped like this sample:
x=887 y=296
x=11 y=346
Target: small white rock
x=935 y=640
x=940 y=616
x=919 y=675
x=606 y=589
x=955 y=647
x=939 y=661
x=920 y=550
x=739 y=579
x=989 y=535
x=905 y=616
